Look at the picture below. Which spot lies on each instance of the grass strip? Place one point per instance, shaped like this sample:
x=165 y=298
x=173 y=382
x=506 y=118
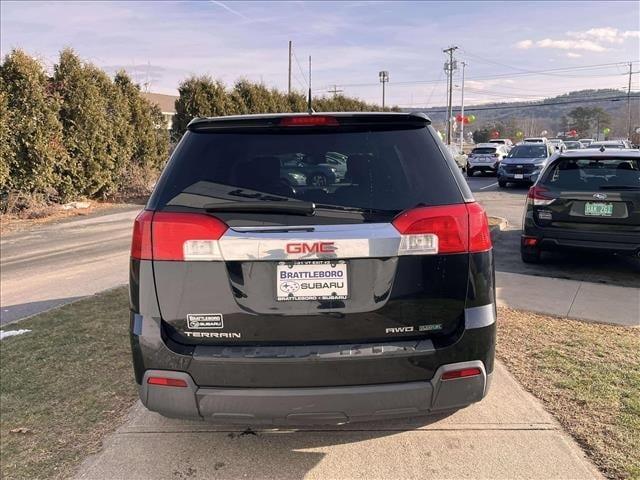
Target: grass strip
x=64 y=386
x=587 y=375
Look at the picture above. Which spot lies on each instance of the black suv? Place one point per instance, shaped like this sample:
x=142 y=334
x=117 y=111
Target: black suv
x=585 y=199
x=255 y=301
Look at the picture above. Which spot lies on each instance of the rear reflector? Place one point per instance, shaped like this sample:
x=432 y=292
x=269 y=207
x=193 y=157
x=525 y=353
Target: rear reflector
x=176 y=236
x=166 y=382
x=443 y=229
x=529 y=241
x=309 y=121
x=462 y=373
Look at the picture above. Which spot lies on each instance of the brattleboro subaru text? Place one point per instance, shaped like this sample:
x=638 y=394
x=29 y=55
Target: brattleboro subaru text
x=256 y=299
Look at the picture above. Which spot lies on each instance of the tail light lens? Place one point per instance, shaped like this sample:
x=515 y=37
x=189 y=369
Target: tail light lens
x=444 y=229
x=176 y=236
x=539 y=195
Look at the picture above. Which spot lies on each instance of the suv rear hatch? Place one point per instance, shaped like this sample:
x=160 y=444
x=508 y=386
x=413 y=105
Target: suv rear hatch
x=590 y=194
x=250 y=248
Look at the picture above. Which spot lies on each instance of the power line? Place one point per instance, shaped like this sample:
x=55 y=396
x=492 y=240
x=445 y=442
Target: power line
x=299 y=67
x=515 y=74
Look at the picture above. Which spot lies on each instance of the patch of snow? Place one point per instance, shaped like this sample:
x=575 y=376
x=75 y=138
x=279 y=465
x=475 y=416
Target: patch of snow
x=12 y=333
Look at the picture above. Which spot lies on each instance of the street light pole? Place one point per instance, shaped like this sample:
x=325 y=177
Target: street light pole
x=462 y=111
x=384 y=78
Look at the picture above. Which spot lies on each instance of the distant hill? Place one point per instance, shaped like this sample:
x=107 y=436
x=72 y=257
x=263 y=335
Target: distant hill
x=547 y=113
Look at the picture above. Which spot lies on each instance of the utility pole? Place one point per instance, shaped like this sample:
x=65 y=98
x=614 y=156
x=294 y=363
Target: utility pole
x=629 y=104
x=335 y=90
x=384 y=78
x=449 y=67
x=289 y=89
x=462 y=111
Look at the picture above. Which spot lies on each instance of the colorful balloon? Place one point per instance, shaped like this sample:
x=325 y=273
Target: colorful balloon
x=495 y=134
x=543 y=133
x=519 y=134
x=471 y=118
x=459 y=118
x=606 y=131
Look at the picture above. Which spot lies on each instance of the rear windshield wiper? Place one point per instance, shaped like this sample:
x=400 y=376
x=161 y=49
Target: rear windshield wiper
x=620 y=187
x=292 y=208
x=356 y=209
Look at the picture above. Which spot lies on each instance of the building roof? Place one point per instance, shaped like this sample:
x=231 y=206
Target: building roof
x=165 y=102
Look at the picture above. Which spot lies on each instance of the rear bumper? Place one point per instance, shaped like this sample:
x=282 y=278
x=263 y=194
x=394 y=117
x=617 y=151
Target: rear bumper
x=551 y=240
x=321 y=405
x=285 y=394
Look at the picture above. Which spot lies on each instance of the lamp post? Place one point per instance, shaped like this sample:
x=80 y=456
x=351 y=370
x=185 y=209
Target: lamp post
x=384 y=78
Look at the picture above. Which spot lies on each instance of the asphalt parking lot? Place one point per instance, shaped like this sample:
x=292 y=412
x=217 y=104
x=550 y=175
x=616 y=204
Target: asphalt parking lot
x=588 y=267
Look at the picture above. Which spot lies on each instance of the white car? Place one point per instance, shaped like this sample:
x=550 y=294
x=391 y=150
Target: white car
x=536 y=140
x=558 y=144
x=586 y=141
x=502 y=141
x=486 y=157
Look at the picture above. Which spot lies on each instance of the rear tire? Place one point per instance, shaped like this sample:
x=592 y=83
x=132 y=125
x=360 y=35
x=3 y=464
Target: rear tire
x=502 y=184
x=531 y=255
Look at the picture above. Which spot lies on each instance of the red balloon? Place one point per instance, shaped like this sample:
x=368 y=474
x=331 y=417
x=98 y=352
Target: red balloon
x=495 y=134
x=458 y=118
x=465 y=120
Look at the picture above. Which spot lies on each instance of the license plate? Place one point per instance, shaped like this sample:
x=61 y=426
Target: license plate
x=518 y=176
x=312 y=280
x=598 y=209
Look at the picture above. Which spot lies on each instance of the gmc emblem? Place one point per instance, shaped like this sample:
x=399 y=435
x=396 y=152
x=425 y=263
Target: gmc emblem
x=315 y=247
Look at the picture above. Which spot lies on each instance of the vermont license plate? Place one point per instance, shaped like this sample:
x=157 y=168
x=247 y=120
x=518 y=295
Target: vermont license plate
x=598 y=209
x=312 y=280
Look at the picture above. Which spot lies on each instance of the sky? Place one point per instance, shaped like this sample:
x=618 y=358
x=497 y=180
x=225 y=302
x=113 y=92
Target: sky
x=163 y=42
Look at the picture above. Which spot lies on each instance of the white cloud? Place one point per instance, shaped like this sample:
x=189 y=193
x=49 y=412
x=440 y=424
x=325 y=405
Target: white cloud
x=631 y=34
x=573 y=55
x=587 y=45
x=524 y=44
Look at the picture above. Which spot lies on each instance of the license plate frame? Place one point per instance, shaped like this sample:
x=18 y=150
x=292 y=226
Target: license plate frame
x=597 y=209
x=518 y=176
x=302 y=278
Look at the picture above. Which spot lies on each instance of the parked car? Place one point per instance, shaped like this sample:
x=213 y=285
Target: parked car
x=535 y=140
x=608 y=144
x=524 y=163
x=318 y=172
x=585 y=199
x=485 y=157
x=502 y=141
x=572 y=145
x=459 y=156
x=558 y=144
x=258 y=302
x=586 y=141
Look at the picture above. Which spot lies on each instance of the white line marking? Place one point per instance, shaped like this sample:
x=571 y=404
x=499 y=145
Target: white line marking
x=487 y=186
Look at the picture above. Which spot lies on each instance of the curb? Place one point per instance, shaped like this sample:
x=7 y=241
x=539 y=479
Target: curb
x=501 y=225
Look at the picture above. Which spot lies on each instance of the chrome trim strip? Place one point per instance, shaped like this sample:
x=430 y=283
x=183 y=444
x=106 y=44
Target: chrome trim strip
x=479 y=317
x=348 y=241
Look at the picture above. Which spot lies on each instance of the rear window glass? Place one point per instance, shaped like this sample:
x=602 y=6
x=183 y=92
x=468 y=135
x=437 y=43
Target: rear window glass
x=591 y=174
x=483 y=151
x=377 y=170
x=529 y=151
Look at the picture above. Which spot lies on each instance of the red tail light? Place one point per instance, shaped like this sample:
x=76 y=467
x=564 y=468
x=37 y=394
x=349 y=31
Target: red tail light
x=166 y=382
x=462 y=373
x=309 y=121
x=458 y=228
x=141 y=241
x=539 y=195
x=176 y=236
